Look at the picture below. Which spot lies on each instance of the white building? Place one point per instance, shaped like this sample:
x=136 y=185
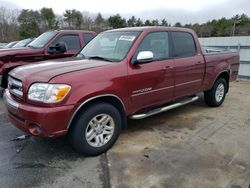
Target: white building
x=242 y=43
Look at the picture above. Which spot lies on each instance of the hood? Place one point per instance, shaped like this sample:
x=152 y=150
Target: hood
x=18 y=51
x=43 y=72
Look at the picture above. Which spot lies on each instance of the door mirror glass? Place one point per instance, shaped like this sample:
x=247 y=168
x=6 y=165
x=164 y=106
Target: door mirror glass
x=59 y=48
x=144 y=57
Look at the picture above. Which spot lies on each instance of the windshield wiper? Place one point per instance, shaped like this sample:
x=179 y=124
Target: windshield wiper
x=100 y=58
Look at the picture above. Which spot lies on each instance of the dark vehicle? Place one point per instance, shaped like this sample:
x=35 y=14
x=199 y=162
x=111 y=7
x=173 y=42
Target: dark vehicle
x=129 y=72
x=49 y=45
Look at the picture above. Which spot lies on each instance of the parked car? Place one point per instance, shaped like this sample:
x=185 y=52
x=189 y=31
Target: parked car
x=129 y=72
x=2 y=45
x=49 y=45
x=23 y=43
x=11 y=44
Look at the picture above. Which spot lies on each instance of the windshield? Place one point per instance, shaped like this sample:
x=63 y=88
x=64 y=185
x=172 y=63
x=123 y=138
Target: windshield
x=10 y=44
x=110 y=46
x=22 y=43
x=42 y=40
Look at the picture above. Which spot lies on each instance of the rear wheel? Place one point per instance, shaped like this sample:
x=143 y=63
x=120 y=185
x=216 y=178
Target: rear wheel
x=96 y=129
x=216 y=95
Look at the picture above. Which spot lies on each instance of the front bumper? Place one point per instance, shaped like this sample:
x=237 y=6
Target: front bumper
x=52 y=121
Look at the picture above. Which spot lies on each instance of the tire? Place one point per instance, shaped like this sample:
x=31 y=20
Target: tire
x=90 y=123
x=216 y=95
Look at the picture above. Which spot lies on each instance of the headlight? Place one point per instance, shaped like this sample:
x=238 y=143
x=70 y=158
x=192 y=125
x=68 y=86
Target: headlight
x=48 y=93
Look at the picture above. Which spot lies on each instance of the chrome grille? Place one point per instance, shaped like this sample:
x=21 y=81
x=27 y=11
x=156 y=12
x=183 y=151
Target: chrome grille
x=15 y=87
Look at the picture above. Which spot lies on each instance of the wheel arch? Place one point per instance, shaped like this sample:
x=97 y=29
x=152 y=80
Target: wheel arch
x=108 y=98
x=224 y=74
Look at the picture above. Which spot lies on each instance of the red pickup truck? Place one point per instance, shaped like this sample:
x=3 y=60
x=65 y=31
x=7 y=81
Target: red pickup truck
x=129 y=72
x=49 y=45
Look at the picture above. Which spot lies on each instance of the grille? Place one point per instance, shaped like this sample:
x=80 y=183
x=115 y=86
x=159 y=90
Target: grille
x=15 y=87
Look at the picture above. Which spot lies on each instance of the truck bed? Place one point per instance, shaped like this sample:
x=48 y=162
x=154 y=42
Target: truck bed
x=224 y=60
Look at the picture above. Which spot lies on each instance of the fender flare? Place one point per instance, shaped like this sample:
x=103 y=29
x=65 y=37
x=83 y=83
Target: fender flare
x=91 y=99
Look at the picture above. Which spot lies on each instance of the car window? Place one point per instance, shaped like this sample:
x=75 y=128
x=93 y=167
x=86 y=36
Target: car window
x=72 y=42
x=183 y=44
x=87 y=37
x=22 y=43
x=110 y=45
x=157 y=43
x=42 y=40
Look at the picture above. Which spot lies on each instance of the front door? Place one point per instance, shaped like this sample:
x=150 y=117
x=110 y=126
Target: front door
x=73 y=46
x=152 y=83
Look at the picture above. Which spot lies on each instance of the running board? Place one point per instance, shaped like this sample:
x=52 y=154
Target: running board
x=164 y=109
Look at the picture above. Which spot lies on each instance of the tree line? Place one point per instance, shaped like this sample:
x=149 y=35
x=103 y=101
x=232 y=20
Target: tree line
x=25 y=23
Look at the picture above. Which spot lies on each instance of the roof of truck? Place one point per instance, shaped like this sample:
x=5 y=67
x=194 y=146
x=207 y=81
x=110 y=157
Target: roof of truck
x=74 y=31
x=152 y=28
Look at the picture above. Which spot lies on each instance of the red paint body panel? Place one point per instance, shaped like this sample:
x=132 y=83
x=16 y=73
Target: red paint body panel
x=156 y=77
x=189 y=75
x=137 y=86
x=216 y=64
x=52 y=121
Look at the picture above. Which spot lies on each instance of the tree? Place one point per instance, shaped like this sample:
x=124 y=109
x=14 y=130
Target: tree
x=131 y=22
x=241 y=25
x=48 y=18
x=148 y=23
x=155 y=22
x=29 y=23
x=177 y=24
x=74 y=18
x=116 y=21
x=139 y=22
x=18 y=24
x=164 y=22
x=100 y=23
x=99 y=20
x=8 y=25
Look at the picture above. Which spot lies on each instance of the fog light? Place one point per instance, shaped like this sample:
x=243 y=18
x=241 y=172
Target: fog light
x=34 y=129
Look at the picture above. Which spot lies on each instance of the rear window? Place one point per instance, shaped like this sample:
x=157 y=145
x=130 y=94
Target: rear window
x=183 y=44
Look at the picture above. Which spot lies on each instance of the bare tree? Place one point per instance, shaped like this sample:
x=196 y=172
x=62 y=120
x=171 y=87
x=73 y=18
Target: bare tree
x=8 y=24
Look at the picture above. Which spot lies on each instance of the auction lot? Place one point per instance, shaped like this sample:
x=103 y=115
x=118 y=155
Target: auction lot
x=192 y=146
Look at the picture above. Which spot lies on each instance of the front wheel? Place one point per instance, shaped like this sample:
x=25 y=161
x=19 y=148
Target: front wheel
x=96 y=129
x=216 y=95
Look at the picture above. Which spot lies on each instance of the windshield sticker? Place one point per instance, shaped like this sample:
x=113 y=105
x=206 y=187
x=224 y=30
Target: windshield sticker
x=127 y=38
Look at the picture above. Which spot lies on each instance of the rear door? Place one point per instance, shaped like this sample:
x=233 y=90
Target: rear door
x=152 y=83
x=189 y=65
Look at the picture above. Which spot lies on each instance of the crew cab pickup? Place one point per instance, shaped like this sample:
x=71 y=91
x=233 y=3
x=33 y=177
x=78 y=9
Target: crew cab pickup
x=129 y=72
x=49 y=45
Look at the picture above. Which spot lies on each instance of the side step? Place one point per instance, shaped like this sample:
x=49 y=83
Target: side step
x=164 y=109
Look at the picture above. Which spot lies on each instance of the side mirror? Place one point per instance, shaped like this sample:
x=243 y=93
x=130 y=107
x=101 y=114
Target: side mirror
x=144 y=57
x=59 y=48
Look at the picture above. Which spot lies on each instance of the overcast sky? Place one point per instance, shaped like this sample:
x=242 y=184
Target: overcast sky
x=184 y=11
